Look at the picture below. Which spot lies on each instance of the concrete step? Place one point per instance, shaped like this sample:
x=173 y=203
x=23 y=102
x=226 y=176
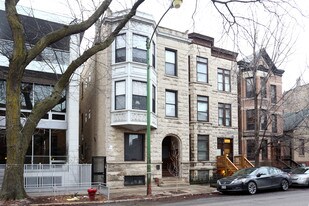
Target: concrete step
x=173 y=182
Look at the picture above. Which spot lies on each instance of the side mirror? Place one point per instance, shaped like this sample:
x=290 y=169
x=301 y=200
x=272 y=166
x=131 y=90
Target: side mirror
x=260 y=174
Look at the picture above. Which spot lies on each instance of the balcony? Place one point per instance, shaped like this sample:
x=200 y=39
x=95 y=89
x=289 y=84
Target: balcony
x=132 y=119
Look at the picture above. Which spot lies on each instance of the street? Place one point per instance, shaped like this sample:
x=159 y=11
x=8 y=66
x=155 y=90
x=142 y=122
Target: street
x=292 y=197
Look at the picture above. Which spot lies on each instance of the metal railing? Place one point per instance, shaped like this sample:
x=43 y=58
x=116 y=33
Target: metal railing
x=57 y=179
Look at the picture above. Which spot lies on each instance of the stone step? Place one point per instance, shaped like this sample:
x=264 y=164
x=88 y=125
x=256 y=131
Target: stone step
x=173 y=182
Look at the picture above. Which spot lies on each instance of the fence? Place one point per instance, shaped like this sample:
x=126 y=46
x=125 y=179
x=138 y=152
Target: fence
x=55 y=179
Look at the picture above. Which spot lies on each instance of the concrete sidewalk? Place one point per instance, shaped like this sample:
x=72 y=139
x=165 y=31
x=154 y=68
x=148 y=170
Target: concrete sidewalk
x=140 y=192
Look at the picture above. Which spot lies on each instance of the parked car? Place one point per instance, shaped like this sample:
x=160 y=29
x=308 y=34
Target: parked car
x=300 y=176
x=253 y=179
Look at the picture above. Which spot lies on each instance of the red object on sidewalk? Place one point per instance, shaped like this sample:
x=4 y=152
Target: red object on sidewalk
x=91 y=193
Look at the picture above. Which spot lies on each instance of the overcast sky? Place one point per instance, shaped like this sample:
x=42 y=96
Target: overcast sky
x=204 y=19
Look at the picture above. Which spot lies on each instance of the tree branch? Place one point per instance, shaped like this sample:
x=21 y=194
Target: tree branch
x=41 y=108
x=66 y=31
x=19 y=48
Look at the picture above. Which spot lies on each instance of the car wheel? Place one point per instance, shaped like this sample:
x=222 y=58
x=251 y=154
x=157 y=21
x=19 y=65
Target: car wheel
x=284 y=185
x=252 y=188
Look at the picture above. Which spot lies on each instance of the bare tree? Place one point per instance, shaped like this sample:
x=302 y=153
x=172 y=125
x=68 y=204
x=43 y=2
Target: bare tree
x=260 y=86
x=18 y=135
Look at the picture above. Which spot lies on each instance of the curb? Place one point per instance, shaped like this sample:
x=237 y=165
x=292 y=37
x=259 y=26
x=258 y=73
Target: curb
x=184 y=195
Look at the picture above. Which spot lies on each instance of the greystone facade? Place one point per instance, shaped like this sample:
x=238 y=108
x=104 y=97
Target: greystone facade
x=104 y=128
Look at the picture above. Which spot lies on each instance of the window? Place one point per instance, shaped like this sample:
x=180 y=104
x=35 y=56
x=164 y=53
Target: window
x=263 y=121
x=171 y=103
x=224 y=80
x=26 y=96
x=34 y=93
x=250 y=115
x=264 y=149
x=202 y=108
x=2 y=93
x=170 y=62
x=134 y=180
x=263 y=87
x=139 y=48
x=274 y=123
x=224 y=116
x=47 y=145
x=202 y=69
x=153 y=99
x=120 y=95
x=273 y=94
x=263 y=170
x=250 y=149
x=153 y=55
x=249 y=87
x=203 y=147
x=139 y=95
x=250 y=119
x=120 y=44
x=301 y=150
x=134 y=147
x=203 y=175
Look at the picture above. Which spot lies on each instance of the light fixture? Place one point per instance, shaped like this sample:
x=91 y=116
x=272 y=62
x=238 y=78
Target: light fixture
x=177 y=3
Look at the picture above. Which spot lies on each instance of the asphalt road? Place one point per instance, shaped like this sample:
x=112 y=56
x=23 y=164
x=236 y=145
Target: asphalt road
x=292 y=197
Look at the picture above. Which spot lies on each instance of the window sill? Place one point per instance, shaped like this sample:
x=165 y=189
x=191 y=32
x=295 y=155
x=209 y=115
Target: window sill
x=171 y=76
x=169 y=117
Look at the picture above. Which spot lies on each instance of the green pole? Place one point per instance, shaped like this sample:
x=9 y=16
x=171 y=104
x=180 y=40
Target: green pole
x=148 y=42
x=148 y=120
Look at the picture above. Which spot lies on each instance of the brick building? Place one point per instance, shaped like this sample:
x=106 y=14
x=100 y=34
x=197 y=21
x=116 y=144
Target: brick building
x=261 y=80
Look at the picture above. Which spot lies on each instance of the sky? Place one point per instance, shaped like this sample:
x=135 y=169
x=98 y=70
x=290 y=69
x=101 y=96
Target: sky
x=201 y=17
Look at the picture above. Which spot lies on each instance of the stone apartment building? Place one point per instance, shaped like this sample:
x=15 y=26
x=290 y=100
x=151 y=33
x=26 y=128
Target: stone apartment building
x=296 y=122
x=266 y=79
x=56 y=138
x=193 y=105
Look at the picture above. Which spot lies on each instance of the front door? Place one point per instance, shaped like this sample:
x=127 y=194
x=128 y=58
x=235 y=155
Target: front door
x=170 y=157
x=225 y=145
x=99 y=169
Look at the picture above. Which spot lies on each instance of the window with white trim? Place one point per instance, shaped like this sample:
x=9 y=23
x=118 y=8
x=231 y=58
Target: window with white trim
x=120 y=95
x=139 y=48
x=139 y=95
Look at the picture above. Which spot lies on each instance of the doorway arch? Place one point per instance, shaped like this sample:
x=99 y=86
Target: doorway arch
x=170 y=156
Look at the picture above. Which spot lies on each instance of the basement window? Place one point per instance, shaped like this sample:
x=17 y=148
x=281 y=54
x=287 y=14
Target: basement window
x=134 y=180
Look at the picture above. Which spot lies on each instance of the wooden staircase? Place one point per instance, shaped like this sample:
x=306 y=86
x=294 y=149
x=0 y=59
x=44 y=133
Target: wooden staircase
x=242 y=162
x=225 y=167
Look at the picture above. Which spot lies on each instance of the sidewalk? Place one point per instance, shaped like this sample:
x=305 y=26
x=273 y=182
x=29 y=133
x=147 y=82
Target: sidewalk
x=160 y=192
x=138 y=193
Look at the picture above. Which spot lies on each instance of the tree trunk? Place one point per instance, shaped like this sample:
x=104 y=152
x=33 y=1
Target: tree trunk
x=13 y=182
x=257 y=121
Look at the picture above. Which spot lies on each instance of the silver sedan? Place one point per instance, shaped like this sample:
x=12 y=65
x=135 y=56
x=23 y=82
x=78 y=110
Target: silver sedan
x=300 y=176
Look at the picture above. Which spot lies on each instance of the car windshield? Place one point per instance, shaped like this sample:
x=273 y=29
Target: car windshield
x=246 y=171
x=299 y=170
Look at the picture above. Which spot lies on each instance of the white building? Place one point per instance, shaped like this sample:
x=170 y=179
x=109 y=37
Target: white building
x=193 y=107
x=56 y=137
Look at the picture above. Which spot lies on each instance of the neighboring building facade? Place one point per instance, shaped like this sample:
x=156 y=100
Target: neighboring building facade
x=296 y=122
x=264 y=78
x=56 y=137
x=193 y=103
x=213 y=105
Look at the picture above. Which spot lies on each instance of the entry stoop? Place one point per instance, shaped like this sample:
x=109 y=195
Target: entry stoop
x=173 y=182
